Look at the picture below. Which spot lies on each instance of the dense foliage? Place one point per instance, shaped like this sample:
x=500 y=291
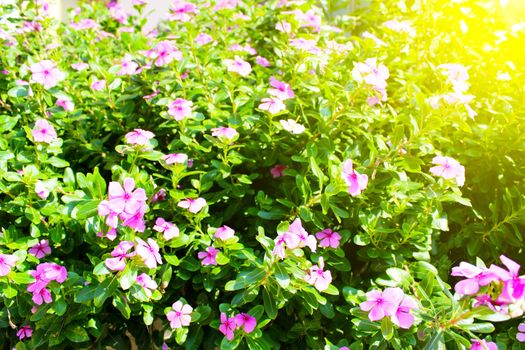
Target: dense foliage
x=259 y=175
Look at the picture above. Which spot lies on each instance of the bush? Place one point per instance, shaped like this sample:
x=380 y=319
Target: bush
x=262 y=175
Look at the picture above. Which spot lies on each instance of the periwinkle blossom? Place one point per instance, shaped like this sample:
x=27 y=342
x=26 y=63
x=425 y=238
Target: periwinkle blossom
x=43 y=132
x=41 y=190
x=521 y=333
x=224 y=233
x=280 y=89
x=84 y=24
x=7 y=261
x=225 y=133
x=117 y=12
x=193 y=205
x=311 y=20
x=168 y=229
x=182 y=11
x=98 y=85
x=128 y=66
x=483 y=345
x=475 y=278
x=126 y=198
x=164 y=53
x=402 y=317
x=284 y=27
x=149 y=252
x=297 y=237
x=46 y=73
x=238 y=65
x=119 y=254
x=44 y=274
x=309 y=46
x=278 y=170
x=203 y=39
x=328 y=238
x=66 y=104
x=246 y=322
x=209 y=256
x=40 y=249
x=356 y=182
x=139 y=137
x=273 y=105
x=227 y=326
x=380 y=304
x=513 y=283
x=180 y=315
x=175 y=158
x=374 y=75
x=318 y=277
x=24 y=332
x=146 y=282
x=261 y=61
x=180 y=109
x=292 y=126
x=79 y=66
x=226 y=4
x=448 y=168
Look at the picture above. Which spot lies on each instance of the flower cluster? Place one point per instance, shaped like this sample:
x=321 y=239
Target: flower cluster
x=295 y=237
x=391 y=302
x=373 y=75
x=242 y=321
x=279 y=92
x=44 y=274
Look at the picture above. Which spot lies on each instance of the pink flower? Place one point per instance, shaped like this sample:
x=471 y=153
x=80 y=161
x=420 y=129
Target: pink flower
x=224 y=232
x=52 y=272
x=224 y=132
x=117 y=12
x=67 y=105
x=261 y=61
x=24 y=332
x=193 y=205
x=41 y=190
x=297 y=237
x=328 y=238
x=209 y=256
x=448 y=168
x=44 y=132
x=227 y=326
x=6 y=263
x=117 y=263
x=273 y=105
x=181 y=10
x=104 y=209
x=98 y=85
x=46 y=73
x=125 y=199
x=284 y=27
x=305 y=44
x=239 y=66
x=356 y=182
x=203 y=39
x=279 y=248
x=175 y=158
x=483 y=345
x=40 y=249
x=476 y=277
x=180 y=316
x=381 y=304
x=180 y=109
x=278 y=170
x=139 y=137
x=80 y=66
x=127 y=66
x=42 y=296
x=514 y=285
x=83 y=24
x=281 y=90
x=521 y=334
x=246 y=321
x=146 y=282
x=149 y=252
x=403 y=318
x=318 y=277
x=164 y=53
x=310 y=19
x=372 y=73
x=168 y=229
x=292 y=126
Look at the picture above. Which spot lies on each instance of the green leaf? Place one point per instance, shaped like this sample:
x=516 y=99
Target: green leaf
x=57 y=162
x=269 y=305
x=246 y=279
x=484 y=327
x=86 y=294
x=387 y=328
x=281 y=275
x=76 y=334
x=86 y=209
x=121 y=304
x=105 y=290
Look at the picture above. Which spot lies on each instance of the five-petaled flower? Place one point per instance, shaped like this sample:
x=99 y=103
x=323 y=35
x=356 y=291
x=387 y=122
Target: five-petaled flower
x=209 y=256
x=40 y=249
x=448 y=168
x=149 y=252
x=356 y=182
x=180 y=315
x=43 y=132
x=328 y=238
x=7 y=261
x=46 y=73
x=193 y=205
x=318 y=277
x=238 y=65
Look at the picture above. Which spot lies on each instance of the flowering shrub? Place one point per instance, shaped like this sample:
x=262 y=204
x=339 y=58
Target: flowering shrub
x=262 y=175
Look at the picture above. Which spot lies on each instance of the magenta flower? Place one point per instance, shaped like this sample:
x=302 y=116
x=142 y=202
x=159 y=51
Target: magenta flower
x=475 y=277
x=261 y=61
x=448 y=168
x=228 y=326
x=514 y=285
x=180 y=315
x=67 y=105
x=42 y=295
x=164 y=53
x=180 y=109
x=46 y=73
x=147 y=283
x=175 y=158
x=278 y=170
x=403 y=318
x=40 y=249
x=203 y=39
x=318 y=277
x=149 y=252
x=41 y=190
x=126 y=199
x=104 y=209
x=297 y=237
x=193 y=205
x=24 y=332
x=483 y=345
x=128 y=66
x=292 y=126
x=44 y=132
x=118 y=263
x=98 y=85
x=381 y=304
x=209 y=256
x=521 y=334
x=168 y=229
x=273 y=105
x=139 y=137
x=279 y=249
x=52 y=272
x=356 y=182
x=224 y=232
x=281 y=90
x=239 y=66
x=223 y=132
x=328 y=238
x=6 y=263
x=135 y=220
x=246 y=321
x=182 y=11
